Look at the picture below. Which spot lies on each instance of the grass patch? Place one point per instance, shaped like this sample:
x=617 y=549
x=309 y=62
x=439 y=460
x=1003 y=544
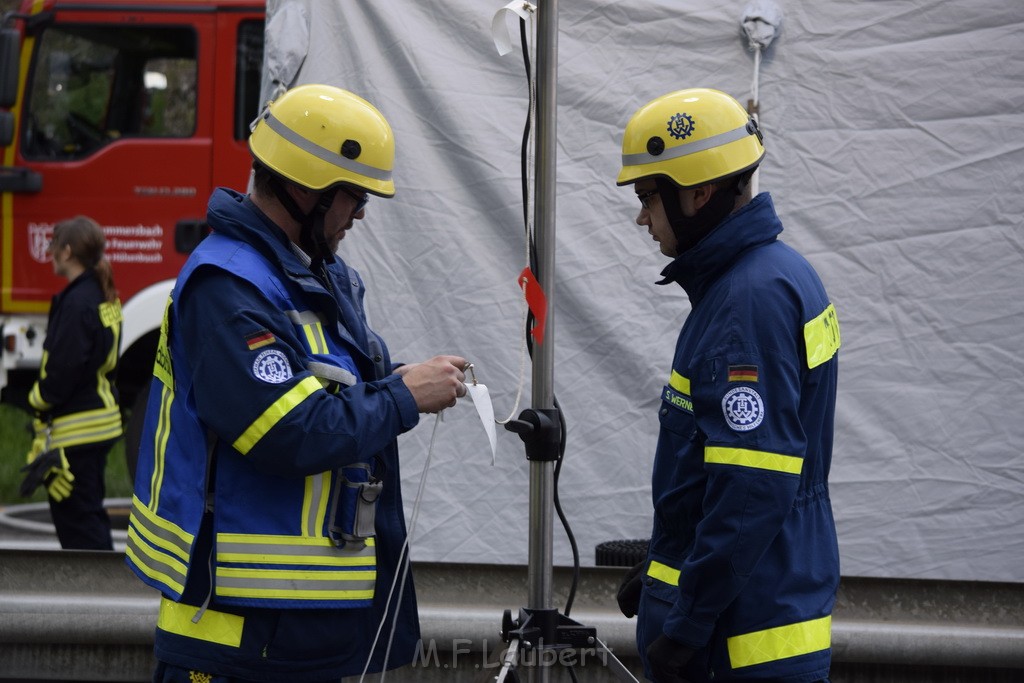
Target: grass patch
x=14 y=446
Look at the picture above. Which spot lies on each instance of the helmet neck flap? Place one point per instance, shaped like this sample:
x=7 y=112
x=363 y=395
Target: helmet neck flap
x=689 y=230
x=312 y=238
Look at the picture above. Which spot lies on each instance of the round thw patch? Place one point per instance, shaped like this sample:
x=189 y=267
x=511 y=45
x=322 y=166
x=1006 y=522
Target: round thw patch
x=272 y=366
x=743 y=409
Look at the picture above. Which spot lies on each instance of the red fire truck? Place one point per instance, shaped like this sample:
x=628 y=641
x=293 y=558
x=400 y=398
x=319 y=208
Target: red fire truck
x=130 y=112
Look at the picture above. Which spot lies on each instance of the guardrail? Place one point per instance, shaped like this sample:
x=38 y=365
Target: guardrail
x=78 y=615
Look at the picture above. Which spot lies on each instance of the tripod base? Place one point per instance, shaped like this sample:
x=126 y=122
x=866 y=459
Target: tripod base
x=547 y=631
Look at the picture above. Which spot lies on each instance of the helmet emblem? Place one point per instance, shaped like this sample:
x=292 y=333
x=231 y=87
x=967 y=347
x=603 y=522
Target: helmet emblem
x=681 y=126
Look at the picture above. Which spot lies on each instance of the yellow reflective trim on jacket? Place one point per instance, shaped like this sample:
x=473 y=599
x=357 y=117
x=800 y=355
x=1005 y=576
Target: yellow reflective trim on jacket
x=214 y=627
x=160 y=532
x=110 y=316
x=282 y=584
x=679 y=383
x=315 y=337
x=663 y=573
x=821 y=337
x=160 y=437
x=314 y=503
x=87 y=426
x=154 y=564
x=163 y=368
x=110 y=313
x=780 y=642
x=762 y=460
x=277 y=410
x=35 y=395
x=298 y=550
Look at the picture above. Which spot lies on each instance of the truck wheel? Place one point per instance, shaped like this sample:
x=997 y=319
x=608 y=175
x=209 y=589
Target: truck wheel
x=133 y=430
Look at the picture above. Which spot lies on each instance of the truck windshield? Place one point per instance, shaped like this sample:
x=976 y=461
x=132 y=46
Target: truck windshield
x=91 y=85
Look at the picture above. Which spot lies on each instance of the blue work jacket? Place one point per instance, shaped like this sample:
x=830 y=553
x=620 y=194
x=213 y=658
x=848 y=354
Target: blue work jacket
x=271 y=399
x=743 y=562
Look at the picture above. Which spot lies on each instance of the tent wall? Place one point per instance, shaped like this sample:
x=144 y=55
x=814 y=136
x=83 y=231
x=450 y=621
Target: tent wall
x=895 y=153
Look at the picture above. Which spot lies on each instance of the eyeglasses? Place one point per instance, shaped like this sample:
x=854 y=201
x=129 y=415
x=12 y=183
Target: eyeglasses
x=645 y=198
x=360 y=200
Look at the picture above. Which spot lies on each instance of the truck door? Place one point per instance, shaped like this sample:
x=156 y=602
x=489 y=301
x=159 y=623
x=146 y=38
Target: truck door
x=118 y=123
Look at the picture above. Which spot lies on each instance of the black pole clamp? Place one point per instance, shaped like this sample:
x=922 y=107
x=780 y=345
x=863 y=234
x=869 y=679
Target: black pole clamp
x=540 y=430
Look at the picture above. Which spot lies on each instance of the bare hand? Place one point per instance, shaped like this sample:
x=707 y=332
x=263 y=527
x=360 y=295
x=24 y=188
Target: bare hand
x=435 y=384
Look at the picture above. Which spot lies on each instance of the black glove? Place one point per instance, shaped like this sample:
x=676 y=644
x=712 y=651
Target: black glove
x=628 y=596
x=666 y=659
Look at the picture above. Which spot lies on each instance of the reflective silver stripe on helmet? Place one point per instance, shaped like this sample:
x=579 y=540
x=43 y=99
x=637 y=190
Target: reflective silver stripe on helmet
x=641 y=158
x=323 y=154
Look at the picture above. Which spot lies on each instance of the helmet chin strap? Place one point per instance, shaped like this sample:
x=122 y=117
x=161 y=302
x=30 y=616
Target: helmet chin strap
x=689 y=230
x=311 y=226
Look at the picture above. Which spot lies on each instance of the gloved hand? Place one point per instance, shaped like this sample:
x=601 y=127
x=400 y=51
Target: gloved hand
x=666 y=659
x=47 y=466
x=628 y=596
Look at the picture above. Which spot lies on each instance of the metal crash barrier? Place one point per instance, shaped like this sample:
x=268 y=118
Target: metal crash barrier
x=78 y=615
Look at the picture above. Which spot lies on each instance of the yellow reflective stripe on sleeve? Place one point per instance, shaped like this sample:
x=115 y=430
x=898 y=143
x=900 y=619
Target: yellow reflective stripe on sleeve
x=679 y=383
x=762 y=460
x=780 y=642
x=278 y=409
x=35 y=395
x=214 y=627
x=663 y=573
x=821 y=337
x=35 y=398
x=314 y=503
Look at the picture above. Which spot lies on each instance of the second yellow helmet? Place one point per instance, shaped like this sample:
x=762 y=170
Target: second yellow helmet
x=694 y=137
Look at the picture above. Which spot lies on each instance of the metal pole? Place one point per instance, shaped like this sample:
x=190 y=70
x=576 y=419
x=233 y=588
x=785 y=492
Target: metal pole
x=542 y=473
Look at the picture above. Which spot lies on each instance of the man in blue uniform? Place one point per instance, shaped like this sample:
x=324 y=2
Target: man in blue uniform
x=743 y=564
x=267 y=505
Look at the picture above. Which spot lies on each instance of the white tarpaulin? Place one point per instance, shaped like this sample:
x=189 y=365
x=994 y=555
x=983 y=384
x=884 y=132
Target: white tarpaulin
x=895 y=154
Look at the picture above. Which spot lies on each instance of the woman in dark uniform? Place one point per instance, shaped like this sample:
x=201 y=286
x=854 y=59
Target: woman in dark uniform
x=75 y=398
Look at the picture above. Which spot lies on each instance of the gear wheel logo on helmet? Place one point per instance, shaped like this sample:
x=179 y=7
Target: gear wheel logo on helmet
x=320 y=136
x=713 y=140
x=680 y=126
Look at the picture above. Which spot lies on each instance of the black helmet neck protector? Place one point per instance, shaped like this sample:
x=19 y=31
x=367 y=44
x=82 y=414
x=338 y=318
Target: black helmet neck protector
x=311 y=226
x=689 y=230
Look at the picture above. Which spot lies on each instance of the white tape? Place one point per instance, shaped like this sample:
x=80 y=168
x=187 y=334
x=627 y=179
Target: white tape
x=500 y=31
x=482 y=401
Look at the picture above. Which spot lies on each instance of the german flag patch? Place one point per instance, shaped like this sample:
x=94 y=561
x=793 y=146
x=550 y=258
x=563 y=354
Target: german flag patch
x=260 y=339
x=742 y=373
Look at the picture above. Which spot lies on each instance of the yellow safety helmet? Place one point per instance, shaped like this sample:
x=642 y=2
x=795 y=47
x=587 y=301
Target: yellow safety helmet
x=694 y=137
x=318 y=136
